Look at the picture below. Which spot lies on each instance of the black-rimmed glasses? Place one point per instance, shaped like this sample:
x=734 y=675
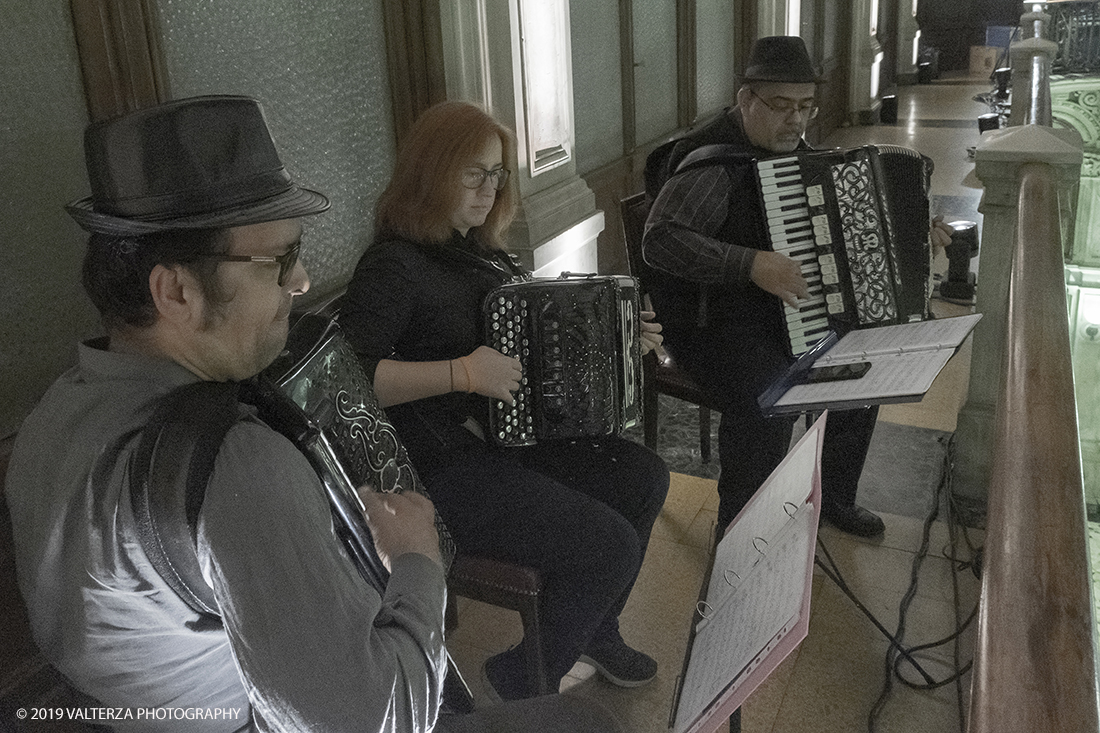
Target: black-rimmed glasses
x=286 y=261
x=807 y=111
x=474 y=177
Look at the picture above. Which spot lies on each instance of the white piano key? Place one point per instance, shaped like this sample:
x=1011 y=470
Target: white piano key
x=772 y=164
x=799 y=317
x=780 y=187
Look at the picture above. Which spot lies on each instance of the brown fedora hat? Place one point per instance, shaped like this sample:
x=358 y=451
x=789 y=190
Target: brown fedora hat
x=781 y=59
x=198 y=163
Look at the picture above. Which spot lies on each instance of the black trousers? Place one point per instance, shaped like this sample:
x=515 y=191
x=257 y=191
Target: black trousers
x=735 y=362
x=580 y=512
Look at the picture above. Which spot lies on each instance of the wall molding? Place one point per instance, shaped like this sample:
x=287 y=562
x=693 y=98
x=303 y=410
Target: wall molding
x=121 y=58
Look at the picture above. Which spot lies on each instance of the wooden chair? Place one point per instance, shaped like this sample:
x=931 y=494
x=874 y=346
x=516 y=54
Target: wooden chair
x=660 y=374
x=515 y=587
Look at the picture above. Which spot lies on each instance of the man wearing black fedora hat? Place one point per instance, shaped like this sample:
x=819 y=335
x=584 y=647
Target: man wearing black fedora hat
x=193 y=264
x=716 y=284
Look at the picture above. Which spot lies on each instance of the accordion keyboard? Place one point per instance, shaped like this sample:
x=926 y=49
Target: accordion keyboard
x=799 y=228
x=516 y=422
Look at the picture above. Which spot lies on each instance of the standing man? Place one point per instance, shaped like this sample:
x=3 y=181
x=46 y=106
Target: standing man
x=720 y=289
x=193 y=265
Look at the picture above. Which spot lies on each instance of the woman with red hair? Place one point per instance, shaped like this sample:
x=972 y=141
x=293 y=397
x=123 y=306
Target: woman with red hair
x=580 y=511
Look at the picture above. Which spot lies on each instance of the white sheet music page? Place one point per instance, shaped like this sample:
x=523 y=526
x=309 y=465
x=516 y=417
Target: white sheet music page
x=904 y=362
x=890 y=376
x=940 y=333
x=757 y=601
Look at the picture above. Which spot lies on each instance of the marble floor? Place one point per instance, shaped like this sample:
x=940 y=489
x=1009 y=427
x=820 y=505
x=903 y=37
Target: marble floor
x=836 y=679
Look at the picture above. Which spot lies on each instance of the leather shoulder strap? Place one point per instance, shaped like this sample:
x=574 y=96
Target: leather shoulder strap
x=716 y=154
x=169 y=473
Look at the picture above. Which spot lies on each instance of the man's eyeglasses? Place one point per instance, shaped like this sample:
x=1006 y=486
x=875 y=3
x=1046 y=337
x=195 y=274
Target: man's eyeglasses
x=807 y=111
x=286 y=261
x=474 y=177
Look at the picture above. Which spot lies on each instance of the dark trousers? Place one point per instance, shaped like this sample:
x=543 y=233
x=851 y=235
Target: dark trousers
x=580 y=512
x=735 y=362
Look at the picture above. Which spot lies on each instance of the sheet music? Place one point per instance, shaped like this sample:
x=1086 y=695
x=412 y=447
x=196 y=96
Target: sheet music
x=941 y=333
x=763 y=607
x=754 y=617
x=896 y=375
x=905 y=360
x=736 y=553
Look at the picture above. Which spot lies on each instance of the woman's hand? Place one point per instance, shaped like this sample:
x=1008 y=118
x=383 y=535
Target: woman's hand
x=489 y=372
x=651 y=332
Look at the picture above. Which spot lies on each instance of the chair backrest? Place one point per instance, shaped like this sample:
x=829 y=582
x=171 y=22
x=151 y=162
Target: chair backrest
x=635 y=211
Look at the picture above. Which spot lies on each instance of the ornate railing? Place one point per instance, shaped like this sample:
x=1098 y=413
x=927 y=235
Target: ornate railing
x=1075 y=27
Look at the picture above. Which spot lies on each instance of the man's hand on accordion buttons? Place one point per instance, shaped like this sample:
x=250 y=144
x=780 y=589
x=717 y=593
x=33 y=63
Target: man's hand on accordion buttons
x=401 y=523
x=779 y=275
x=941 y=234
x=651 y=331
x=493 y=374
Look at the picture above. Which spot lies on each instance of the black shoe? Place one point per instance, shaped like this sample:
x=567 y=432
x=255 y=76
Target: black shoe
x=853 y=519
x=620 y=665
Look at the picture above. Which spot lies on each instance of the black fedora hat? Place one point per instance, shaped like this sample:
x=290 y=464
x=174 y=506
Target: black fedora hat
x=780 y=59
x=197 y=163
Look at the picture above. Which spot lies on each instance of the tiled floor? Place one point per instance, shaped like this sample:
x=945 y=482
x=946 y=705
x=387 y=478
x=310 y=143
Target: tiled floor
x=833 y=680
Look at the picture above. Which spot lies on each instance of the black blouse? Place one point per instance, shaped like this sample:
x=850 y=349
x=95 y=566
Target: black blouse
x=410 y=301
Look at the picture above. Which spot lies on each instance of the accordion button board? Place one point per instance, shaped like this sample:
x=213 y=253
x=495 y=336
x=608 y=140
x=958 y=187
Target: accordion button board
x=515 y=422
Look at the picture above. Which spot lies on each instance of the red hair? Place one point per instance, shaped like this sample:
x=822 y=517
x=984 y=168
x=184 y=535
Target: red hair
x=426 y=188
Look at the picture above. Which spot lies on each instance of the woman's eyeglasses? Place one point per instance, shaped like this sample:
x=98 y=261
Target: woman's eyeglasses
x=474 y=177
x=286 y=261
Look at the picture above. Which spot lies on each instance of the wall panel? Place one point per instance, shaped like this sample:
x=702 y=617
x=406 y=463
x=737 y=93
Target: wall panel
x=43 y=309
x=597 y=83
x=320 y=72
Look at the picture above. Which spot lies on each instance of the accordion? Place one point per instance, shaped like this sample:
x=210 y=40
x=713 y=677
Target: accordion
x=578 y=339
x=317 y=394
x=857 y=221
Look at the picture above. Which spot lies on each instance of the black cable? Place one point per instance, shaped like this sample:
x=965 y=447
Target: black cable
x=897 y=653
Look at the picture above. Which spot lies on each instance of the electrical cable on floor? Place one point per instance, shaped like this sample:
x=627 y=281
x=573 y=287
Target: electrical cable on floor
x=897 y=654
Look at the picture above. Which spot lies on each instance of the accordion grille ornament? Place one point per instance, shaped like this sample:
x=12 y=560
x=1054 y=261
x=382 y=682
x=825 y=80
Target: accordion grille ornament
x=857 y=222
x=578 y=339
x=336 y=421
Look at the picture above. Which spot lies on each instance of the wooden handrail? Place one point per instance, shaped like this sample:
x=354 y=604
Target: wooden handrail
x=1034 y=666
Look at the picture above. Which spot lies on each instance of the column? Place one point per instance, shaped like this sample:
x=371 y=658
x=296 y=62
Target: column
x=513 y=57
x=997 y=161
x=866 y=63
x=908 y=42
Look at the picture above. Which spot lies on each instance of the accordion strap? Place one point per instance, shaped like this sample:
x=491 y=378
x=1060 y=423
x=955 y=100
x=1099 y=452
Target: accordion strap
x=169 y=473
x=717 y=154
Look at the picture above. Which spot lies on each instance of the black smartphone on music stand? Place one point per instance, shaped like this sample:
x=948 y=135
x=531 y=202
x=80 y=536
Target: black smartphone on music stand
x=836 y=372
